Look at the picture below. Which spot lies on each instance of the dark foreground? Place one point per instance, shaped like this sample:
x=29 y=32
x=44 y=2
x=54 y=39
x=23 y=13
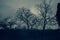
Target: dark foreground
x=29 y=35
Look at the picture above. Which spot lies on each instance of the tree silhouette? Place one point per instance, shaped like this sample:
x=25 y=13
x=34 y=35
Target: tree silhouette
x=58 y=14
x=28 y=18
x=45 y=11
x=3 y=23
x=9 y=22
x=24 y=14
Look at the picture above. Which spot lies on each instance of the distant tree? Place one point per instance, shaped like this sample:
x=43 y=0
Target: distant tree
x=9 y=22
x=23 y=15
x=3 y=23
x=27 y=17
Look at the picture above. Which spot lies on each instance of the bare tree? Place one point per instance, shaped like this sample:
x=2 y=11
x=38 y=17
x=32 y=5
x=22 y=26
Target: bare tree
x=23 y=15
x=45 y=11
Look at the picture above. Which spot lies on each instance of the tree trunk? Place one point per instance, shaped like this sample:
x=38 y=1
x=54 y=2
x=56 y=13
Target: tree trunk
x=44 y=24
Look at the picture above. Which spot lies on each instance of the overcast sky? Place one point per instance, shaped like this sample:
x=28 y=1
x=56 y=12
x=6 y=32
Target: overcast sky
x=9 y=7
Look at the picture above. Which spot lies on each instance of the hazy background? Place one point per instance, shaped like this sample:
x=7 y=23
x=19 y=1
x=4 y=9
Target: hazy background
x=9 y=7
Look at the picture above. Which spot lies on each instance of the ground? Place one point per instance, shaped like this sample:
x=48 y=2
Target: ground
x=29 y=34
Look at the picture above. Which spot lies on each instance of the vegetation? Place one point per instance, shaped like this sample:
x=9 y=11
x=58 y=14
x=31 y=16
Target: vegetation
x=25 y=19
